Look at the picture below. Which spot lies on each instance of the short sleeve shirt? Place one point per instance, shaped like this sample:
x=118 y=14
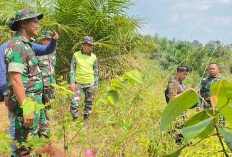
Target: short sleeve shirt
x=204 y=89
x=20 y=58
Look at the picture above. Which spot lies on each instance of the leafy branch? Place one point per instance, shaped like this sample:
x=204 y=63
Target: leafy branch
x=204 y=123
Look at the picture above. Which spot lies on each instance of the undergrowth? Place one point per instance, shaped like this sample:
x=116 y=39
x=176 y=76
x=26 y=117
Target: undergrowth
x=131 y=127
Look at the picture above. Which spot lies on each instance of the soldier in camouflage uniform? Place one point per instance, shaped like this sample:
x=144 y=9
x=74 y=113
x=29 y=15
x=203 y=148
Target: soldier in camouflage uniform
x=83 y=78
x=24 y=79
x=175 y=88
x=47 y=66
x=204 y=89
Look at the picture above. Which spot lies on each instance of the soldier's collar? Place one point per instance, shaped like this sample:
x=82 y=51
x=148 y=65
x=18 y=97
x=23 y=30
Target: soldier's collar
x=178 y=80
x=22 y=37
x=89 y=54
x=213 y=77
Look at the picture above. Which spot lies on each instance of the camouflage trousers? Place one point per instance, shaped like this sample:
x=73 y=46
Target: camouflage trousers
x=48 y=95
x=177 y=127
x=88 y=90
x=40 y=128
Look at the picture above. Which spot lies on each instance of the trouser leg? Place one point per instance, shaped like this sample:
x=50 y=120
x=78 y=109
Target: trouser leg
x=12 y=131
x=43 y=130
x=177 y=126
x=22 y=133
x=48 y=95
x=89 y=97
x=222 y=120
x=40 y=128
x=75 y=101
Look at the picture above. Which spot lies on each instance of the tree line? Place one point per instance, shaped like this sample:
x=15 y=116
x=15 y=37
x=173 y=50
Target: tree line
x=115 y=34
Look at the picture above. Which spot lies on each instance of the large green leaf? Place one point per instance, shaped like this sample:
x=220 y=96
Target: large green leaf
x=200 y=117
x=28 y=106
x=175 y=153
x=227 y=137
x=223 y=98
x=116 y=84
x=177 y=106
x=192 y=131
x=135 y=75
x=113 y=97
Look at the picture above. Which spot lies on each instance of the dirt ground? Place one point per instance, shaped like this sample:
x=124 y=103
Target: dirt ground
x=4 y=122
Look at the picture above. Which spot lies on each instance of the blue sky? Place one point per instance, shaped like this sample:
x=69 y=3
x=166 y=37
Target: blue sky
x=201 y=20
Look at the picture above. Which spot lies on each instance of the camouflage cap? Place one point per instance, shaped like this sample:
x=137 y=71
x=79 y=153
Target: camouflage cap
x=23 y=15
x=87 y=40
x=45 y=34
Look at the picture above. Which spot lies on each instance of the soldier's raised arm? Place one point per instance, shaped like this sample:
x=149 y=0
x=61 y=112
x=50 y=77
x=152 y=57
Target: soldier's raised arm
x=46 y=49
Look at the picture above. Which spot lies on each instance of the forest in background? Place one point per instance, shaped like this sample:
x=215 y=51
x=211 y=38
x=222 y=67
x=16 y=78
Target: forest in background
x=115 y=33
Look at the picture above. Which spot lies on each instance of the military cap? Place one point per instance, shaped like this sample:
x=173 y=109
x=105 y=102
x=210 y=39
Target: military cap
x=23 y=15
x=87 y=40
x=45 y=34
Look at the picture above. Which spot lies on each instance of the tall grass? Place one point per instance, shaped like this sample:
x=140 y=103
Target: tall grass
x=131 y=128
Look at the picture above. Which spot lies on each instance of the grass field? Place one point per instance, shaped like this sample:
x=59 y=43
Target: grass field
x=131 y=127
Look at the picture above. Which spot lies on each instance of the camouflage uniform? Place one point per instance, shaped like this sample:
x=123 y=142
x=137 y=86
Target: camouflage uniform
x=204 y=92
x=176 y=87
x=80 y=88
x=20 y=58
x=88 y=90
x=47 y=66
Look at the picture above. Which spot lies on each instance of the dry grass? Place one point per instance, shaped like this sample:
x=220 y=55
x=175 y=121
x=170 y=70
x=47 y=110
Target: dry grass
x=4 y=122
x=114 y=67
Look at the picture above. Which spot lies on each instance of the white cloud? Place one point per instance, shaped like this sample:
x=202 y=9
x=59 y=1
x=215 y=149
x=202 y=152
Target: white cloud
x=198 y=5
x=223 y=1
x=185 y=13
x=208 y=30
x=203 y=20
x=175 y=17
x=192 y=6
x=222 y=21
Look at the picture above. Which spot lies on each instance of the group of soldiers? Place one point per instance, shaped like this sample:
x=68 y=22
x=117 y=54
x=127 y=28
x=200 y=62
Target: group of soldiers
x=27 y=70
x=177 y=87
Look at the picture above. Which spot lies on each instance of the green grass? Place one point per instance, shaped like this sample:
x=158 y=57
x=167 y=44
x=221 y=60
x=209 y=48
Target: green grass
x=131 y=126
x=141 y=105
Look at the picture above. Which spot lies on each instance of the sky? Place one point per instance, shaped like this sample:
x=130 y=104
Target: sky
x=201 y=20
